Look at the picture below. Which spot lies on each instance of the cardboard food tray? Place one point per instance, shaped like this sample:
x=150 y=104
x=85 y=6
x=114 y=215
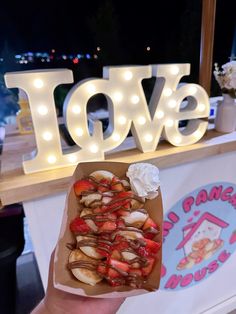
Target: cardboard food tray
x=63 y=278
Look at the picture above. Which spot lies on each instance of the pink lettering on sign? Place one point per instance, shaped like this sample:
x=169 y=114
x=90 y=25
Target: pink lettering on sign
x=201 y=197
x=212 y=266
x=166 y=227
x=225 y=196
x=186 y=280
x=223 y=256
x=200 y=274
x=173 y=217
x=201 y=237
x=187 y=204
x=215 y=193
x=233 y=200
x=173 y=282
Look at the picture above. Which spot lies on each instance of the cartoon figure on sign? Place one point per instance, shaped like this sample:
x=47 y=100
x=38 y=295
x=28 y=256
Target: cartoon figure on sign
x=199 y=235
x=200 y=240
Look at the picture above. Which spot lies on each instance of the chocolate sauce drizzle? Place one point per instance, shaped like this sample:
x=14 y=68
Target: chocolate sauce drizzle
x=106 y=242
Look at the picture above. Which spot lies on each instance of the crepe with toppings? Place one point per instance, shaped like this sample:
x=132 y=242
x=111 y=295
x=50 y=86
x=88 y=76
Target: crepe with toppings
x=113 y=236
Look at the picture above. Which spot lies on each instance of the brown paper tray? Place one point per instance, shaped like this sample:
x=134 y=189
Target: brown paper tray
x=63 y=279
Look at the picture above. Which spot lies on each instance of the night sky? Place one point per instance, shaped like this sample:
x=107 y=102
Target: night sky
x=123 y=29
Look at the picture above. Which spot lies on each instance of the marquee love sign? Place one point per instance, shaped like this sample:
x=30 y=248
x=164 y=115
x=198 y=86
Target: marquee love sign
x=128 y=108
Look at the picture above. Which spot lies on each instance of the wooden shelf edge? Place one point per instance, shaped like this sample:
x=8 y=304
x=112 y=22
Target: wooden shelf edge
x=16 y=192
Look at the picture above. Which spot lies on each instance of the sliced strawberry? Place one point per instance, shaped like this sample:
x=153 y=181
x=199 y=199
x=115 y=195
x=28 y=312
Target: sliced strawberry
x=152 y=246
x=99 y=210
x=149 y=223
x=99 y=219
x=105 y=182
x=120 y=244
x=102 y=188
x=104 y=249
x=123 y=212
x=142 y=251
x=102 y=269
x=120 y=223
x=117 y=204
x=83 y=185
x=124 y=194
x=147 y=269
x=104 y=185
x=108 y=226
x=79 y=226
x=120 y=266
x=111 y=216
x=119 y=238
x=103 y=252
x=149 y=235
x=112 y=273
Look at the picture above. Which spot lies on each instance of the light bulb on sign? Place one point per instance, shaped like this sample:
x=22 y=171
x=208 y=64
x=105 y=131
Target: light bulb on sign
x=201 y=107
x=141 y=120
x=47 y=136
x=128 y=75
x=177 y=139
x=134 y=99
x=93 y=148
x=122 y=120
x=118 y=96
x=167 y=92
x=72 y=158
x=148 y=137
x=38 y=83
x=42 y=110
x=172 y=103
x=51 y=159
x=192 y=90
x=116 y=137
x=160 y=114
x=76 y=109
x=197 y=134
x=79 y=131
x=169 y=122
x=91 y=89
x=174 y=70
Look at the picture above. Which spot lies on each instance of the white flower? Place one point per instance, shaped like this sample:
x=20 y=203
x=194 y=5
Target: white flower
x=233 y=80
x=226 y=78
x=229 y=67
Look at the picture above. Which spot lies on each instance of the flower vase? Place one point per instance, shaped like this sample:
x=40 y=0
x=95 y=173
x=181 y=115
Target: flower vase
x=225 y=121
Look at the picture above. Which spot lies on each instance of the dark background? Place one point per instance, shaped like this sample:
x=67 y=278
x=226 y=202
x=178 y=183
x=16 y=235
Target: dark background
x=123 y=30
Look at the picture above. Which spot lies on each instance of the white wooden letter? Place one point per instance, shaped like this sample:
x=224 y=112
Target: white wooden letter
x=39 y=86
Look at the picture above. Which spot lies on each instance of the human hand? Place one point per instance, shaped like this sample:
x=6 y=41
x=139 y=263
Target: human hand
x=60 y=302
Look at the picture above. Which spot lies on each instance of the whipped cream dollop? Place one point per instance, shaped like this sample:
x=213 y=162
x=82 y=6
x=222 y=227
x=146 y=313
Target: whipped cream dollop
x=144 y=179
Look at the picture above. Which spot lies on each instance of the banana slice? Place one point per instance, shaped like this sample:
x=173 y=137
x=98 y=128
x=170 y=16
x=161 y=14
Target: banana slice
x=86 y=211
x=102 y=174
x=125 y=183
x=128 y=256
x=81 y=273
x=88 y=250
x=89 y=222
x=135 y=204
x=130 y=234
x=135 y=219
x=87 y=200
